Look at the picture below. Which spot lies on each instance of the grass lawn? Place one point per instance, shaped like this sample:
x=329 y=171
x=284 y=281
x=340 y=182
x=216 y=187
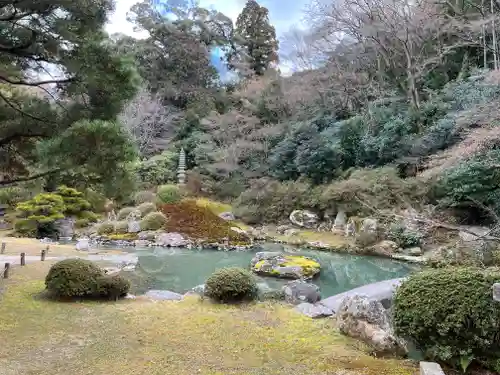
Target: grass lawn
x=142 y=337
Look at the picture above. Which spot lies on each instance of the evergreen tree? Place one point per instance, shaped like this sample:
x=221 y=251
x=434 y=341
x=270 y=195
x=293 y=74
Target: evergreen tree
x=61 y=87
x=259 y=36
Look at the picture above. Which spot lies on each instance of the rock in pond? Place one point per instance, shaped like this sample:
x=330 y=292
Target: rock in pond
x=277 y=264
x=367 y=320
x=314 y=310
x=299 y=291
x=163 y=295
x=171 y=240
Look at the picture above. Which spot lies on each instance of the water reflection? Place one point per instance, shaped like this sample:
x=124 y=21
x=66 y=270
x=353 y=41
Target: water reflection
x=180 y=270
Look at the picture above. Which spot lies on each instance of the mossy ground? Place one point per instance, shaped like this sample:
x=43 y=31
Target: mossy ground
x=333 y=240
x=140 y=337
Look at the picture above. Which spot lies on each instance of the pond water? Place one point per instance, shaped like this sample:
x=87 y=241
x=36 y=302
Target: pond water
x=180 y=270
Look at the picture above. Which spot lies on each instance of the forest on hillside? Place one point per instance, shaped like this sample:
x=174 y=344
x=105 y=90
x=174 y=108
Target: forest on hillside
x=392 y=103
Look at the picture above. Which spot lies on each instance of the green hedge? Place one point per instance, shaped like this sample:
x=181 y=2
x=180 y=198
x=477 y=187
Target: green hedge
x=451 y=316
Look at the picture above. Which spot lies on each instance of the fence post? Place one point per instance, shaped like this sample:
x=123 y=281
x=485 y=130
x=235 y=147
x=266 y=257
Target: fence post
x=6 y=271
x=43 y=255
x=23 y=259
x=2 y=250
x=47 y=249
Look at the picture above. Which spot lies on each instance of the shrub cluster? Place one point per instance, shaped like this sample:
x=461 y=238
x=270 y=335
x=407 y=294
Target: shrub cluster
x=169 y=194
x=231 y=284
x=153 y=221
x=146 y=208
x=124 y=212
x=144 y=196
x=451 y=316
x=79 y=278
x=403 y=237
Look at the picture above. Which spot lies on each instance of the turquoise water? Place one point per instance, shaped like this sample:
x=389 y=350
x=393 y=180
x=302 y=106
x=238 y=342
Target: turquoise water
x=179 y=270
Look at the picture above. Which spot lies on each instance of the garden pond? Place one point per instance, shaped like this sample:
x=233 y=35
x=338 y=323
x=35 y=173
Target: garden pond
x=180 y=270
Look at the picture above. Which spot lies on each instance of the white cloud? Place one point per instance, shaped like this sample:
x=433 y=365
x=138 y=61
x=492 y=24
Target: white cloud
x=118 y=20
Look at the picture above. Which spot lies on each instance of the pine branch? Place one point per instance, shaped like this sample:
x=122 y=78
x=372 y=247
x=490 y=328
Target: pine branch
x=29 y=178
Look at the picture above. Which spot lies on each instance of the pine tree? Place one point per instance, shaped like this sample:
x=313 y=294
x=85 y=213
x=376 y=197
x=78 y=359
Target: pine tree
x=259 y=37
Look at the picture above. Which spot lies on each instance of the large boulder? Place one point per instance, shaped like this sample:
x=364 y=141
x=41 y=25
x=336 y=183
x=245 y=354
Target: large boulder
x=277 y=264
x=171 y=240
x=366 y=319
x=304 y=219
x=299 y=291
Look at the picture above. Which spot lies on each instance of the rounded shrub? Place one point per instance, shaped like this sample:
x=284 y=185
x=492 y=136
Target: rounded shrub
x=73 y=278
x=144 y=196
x=121 y=227
x=451 y=316
x=124 y=212
x=107 y=227
x=153 y=221
x=146 y=208
x=231 y=284
x=112 y=287
x=26 y=227
x=169 y=194
x=82 y=223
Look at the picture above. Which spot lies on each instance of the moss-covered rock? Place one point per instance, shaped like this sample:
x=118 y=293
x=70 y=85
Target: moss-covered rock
x=285 y=266
x=199 y=223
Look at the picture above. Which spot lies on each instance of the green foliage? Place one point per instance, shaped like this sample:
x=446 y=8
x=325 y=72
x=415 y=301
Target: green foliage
x=169 y=194
x=471 y=185
x=112 y=287
x=404 y=237
x=73 y=200
x=259 y=36
x=11 y=196
x=450 y=314
x=107 y=227
x=26 y=227
x=82 y=223
x=120 y=227
x=153 y=221
x=381 y=188
x=97 y=200
x=144 y=196
x=157 y=170
x=89 y=215
x=231 y=284
x=43 y=208
x=269 y=201
x=71 y=147
x=146 y=208
x=124 y=212
x=40 y=137
x=73 y=278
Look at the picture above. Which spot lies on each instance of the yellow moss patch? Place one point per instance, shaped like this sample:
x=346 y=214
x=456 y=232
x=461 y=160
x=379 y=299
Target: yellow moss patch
x=139 y=337
x=310 y=266
x=214 y=206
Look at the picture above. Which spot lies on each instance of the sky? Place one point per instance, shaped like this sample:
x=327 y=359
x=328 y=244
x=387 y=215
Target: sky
x=282 y=13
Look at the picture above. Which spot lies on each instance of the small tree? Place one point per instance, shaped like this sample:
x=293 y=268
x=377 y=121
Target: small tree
x=43 y=210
